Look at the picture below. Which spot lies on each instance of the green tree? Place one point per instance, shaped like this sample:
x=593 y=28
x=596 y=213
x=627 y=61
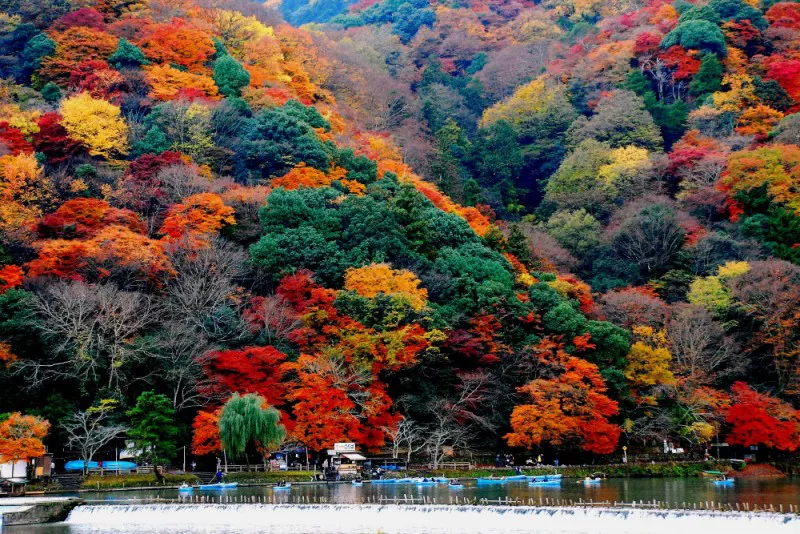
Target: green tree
x=127 y=55
x=697 y=35
x=230 y=76
x=709 y=78
x=621 y=119
x=577 y=231
x=51 y=92
x=248 y=423
x=153 y=428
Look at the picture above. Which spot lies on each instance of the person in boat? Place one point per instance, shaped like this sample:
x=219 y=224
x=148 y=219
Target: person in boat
x=220 y=474
x=358 y=480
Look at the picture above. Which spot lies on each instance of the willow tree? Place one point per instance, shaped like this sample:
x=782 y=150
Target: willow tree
x=248 y=423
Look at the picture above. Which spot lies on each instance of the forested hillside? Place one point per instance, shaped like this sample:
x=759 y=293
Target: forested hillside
x=489 y=224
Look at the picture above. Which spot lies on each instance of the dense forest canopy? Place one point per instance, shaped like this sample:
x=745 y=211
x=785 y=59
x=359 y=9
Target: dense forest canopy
x=483 y=224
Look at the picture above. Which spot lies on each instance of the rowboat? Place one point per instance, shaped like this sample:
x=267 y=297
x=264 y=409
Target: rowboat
x=219 y=486
x=357 y=483
x=406 y=480
x=455 y=486
x=384 y=481
x=723 y=480
x=488 y=481
x=590 y=481
x=545 y=482
x=426 y=482
x=534 y=478
x=517 y=478
x=185 y=489
x=283 y=487
x=441 y=480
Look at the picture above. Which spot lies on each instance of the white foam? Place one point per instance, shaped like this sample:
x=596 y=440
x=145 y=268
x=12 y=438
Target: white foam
x=428 y=518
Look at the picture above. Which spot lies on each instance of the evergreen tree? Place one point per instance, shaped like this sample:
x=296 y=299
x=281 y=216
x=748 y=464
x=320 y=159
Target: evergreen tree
x=153 y=428
x=230 y=76
x=127 y=55
x=709 y=78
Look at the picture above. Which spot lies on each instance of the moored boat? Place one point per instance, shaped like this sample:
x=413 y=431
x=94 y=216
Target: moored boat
x=219 y=486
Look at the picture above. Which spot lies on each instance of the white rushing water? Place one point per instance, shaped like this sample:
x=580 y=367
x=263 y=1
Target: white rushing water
x=418 y=519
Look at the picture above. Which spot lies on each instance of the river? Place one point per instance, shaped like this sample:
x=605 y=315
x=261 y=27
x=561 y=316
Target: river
x=344 y=516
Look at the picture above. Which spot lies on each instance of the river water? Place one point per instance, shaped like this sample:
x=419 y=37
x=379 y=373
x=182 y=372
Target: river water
x=118 y=512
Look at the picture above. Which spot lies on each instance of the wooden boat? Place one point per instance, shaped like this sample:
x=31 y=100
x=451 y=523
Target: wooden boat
x=219 y=486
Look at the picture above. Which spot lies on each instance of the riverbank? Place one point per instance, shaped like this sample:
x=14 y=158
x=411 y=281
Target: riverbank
x=662 y=470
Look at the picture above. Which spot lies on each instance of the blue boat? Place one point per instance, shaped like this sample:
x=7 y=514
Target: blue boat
x=544 y=478
x=517 y=478
x=590 y=481
x=455 y=486
x=545 y=482
x=441 y=480
x=119 y=466
x=488 y=481
x=185 y=489
x=357 y=483
x=219 y=486
x=284 y=487
x=77 y=465
x=723 y=482
x=406 y=480
x=384 y=481
x=426 y=482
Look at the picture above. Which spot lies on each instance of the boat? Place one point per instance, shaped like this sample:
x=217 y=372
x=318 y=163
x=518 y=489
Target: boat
x=590 y=481
x=406 y=480
x=487 y=481
x=455 y=486
x=119 y=466
x=532 y=478
x=281 y=487
x=517 y=478
x=384 y=481
x=185 y=488
x=441 y=480
x=357 y=483
x=219 y=486
x=426 y=482
x=545 y=481
x=78 y=465
x=725 y=482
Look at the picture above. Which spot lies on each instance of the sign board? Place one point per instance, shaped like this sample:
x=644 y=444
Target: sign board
x=344 y=447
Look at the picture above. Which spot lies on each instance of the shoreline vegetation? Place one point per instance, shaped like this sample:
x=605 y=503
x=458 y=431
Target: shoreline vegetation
x=658 y=470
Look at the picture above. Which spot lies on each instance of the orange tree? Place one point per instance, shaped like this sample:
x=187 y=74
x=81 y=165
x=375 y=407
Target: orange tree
x=21 y=438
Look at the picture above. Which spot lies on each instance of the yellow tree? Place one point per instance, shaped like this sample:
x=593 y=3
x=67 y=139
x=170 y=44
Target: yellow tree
x=371 y=280
x=97 y=124
x=649 y=363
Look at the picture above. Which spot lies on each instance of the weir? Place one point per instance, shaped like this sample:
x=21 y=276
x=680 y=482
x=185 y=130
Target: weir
x=340 y=519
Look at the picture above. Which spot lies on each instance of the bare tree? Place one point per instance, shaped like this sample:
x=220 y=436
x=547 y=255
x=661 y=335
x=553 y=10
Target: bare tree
x=183 y=355
x=279 y=319
x=407 y=434
x=89 y=432
x=95 y=333
x=203 y=294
